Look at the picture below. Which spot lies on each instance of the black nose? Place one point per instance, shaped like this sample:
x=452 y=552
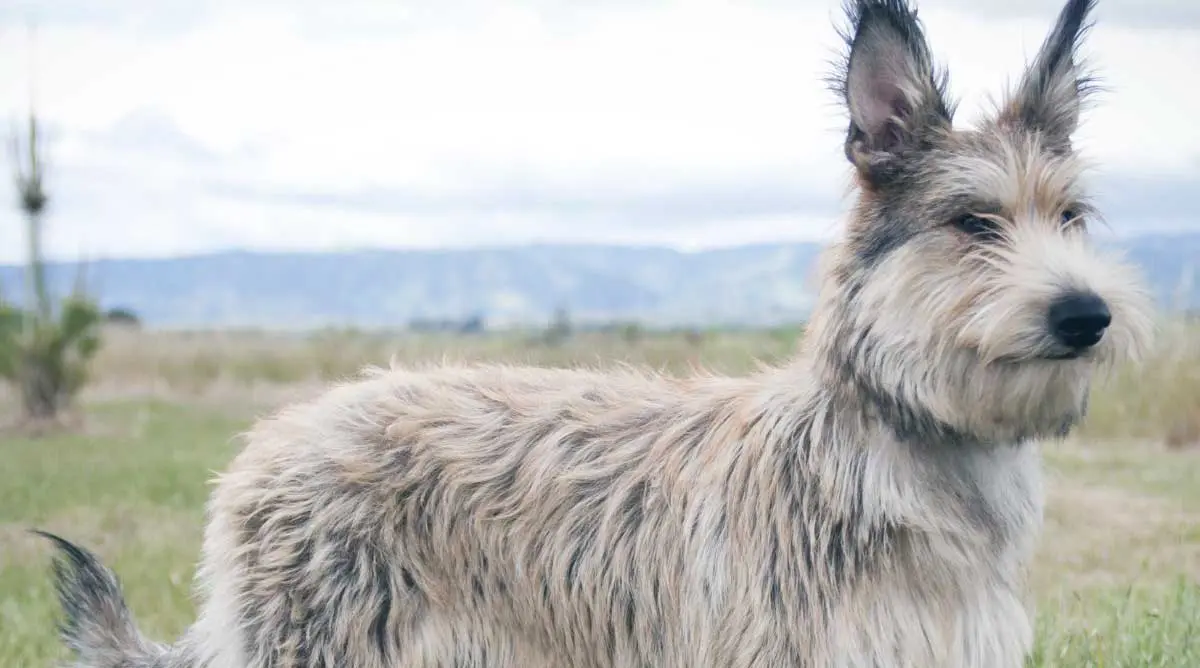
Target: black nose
x=1078 y=320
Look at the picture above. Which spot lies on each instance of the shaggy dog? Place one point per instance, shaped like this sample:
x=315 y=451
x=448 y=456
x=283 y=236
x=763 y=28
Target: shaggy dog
x=873 y=502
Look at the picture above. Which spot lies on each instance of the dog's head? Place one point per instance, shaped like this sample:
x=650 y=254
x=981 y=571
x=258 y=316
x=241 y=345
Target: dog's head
x=966 y=283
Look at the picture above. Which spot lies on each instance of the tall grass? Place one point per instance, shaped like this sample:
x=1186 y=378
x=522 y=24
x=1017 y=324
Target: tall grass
x=1159 y=400
x=1122 y=628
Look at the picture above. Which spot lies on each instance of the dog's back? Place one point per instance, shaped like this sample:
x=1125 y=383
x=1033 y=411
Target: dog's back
x=485 y=514
x=510 y=517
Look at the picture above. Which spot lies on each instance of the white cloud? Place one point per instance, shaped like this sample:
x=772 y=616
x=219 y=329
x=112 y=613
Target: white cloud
x=579 y=102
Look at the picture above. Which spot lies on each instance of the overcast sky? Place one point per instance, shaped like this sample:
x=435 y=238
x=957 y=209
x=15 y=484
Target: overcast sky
x=212 y=124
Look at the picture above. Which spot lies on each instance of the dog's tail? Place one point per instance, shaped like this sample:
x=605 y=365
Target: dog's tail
x=97 y=626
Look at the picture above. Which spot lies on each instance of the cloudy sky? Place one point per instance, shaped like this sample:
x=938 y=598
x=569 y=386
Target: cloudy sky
x=179 y=127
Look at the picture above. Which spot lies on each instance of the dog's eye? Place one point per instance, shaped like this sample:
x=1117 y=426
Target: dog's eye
x=980 y=228
x=1070 y=217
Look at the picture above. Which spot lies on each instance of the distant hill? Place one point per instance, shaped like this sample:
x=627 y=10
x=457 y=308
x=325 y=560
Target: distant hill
x=752 y=285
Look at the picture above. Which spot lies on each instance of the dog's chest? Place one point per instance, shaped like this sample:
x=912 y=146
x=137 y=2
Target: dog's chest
x=1002 y=494
x=978 y=505
x=950 y=594
x=982 y=624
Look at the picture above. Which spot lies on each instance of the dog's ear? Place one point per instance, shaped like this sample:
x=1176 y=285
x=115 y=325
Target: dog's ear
x=889 y=84
x=1055 y=87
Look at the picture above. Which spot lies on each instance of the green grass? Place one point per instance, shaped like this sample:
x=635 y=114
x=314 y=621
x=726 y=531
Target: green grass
x=1123 y=628
x=1113 y=588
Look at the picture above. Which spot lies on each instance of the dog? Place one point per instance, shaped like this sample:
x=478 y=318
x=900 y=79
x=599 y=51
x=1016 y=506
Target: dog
x=875 y=501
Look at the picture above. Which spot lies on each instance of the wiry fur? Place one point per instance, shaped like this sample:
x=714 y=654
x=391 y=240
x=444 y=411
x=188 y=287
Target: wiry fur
x=871 y=503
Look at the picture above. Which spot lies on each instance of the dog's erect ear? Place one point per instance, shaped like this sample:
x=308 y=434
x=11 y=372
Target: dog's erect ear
x=889 y=84
x=1054 y=87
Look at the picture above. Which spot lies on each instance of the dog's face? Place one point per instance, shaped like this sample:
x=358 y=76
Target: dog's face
x=968 y=257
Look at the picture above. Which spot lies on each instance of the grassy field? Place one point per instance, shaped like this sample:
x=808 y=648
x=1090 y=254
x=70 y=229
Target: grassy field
x=1117 y=580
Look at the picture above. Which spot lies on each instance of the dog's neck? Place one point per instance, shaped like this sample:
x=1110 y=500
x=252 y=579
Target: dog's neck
x=834 y=357
x=907 y=421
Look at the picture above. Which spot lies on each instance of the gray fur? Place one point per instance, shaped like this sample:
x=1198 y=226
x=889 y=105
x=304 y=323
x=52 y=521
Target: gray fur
x=873 y=502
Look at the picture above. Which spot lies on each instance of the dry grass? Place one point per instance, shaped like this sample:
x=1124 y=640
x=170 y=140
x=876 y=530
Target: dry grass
x=1159 y=401
x=238 y=368
x=1117 y=579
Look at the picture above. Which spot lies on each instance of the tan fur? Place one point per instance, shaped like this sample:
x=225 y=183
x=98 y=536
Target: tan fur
x=873 y=502
x=672 y=495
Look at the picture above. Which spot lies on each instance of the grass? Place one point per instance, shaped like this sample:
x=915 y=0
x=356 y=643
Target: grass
x=1129 y=627
x=1158 y=400
x=1116 y=580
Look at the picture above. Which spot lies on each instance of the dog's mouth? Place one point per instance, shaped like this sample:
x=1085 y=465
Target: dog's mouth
x=1059 y=355
x=1072 y=354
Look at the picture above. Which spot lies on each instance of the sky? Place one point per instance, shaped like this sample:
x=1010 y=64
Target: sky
x=183 y=127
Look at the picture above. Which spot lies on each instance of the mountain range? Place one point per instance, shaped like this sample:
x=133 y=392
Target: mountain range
x=520 y=285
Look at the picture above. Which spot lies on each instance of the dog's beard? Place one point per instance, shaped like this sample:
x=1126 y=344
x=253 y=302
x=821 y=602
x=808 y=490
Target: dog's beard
x=1004 y=401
